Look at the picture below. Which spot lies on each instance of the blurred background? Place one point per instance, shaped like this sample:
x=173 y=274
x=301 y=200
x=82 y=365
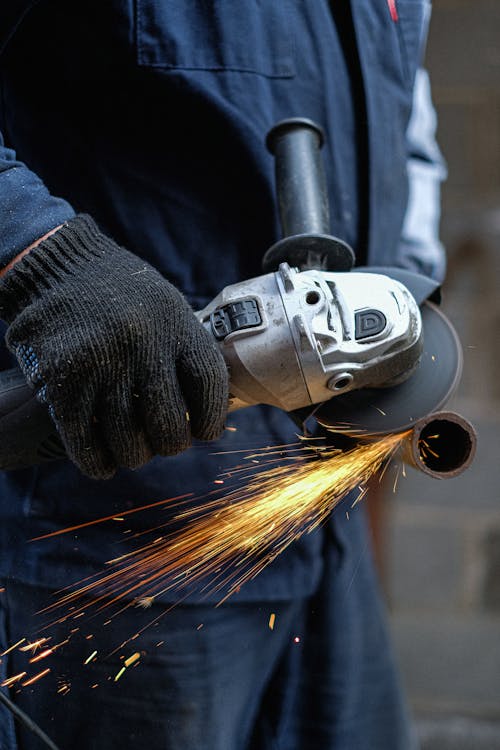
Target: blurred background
x=441 y=545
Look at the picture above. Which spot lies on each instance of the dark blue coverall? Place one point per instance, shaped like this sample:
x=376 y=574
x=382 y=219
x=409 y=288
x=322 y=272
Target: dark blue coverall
x=151 y=116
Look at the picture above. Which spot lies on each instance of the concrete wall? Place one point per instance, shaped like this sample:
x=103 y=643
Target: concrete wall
x=443 y=550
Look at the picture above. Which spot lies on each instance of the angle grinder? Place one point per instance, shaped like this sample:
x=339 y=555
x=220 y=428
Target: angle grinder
x=364 y=351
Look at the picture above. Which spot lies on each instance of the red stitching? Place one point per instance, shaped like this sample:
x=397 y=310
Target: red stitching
x=393 y=9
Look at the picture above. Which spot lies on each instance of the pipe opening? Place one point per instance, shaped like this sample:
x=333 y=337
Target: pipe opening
x=445 y=446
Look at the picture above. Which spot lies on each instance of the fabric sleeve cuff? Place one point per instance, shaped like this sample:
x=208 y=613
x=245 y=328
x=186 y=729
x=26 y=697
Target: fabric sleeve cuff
x=27 y=210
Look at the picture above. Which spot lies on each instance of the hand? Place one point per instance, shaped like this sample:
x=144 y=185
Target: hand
x=114 y=349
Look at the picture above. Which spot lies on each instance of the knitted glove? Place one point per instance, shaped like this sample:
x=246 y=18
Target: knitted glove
x=113 y=349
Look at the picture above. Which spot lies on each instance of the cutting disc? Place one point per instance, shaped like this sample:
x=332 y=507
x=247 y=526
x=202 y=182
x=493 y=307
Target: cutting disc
x=379 y=411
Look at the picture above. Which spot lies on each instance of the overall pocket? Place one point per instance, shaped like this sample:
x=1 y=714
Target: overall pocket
x=247 y=36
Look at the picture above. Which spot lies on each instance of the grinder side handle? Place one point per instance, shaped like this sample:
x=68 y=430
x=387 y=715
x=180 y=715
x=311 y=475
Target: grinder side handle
x=303 y=202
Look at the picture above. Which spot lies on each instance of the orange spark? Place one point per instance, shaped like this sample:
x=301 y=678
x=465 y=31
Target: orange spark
x=64 y=687
x=146 y=602
x=34 y=645
x=229 y=540
x=110 y=518
x=37 y=677
x=12 y=680
x=11 y=648
x=132 y=659
x=41 y=656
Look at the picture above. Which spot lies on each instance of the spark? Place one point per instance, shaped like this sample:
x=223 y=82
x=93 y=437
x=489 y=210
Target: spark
x=12 y=680
x=272 y=619
x=119 y=674
x=62 y=643
x=229 y=540
x=146 y=602
x=42 y=655
x=37 y=677
x=132 y=659
x=89 y=658
x=296 y=639
x=394 y=486
x=425 y=448
x=267 y=449
x=64 y=687
x=110 y=518
x=11 y=648
x=362 y=493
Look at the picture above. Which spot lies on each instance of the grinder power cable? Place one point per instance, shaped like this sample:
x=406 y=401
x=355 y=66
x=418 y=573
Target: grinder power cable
x=365 y=352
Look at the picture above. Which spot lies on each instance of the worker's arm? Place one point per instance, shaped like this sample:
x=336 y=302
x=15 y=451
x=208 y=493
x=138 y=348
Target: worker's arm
x=28 y=211
x=420 y=248
x=113 y=349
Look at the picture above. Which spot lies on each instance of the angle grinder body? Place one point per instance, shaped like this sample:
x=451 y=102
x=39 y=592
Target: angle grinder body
x=349 y=348
x=310 y=336
x=293 y=338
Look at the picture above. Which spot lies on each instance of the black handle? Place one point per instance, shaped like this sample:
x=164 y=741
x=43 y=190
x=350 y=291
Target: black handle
x=27 y=434
x=303 y=201
x=300 y=178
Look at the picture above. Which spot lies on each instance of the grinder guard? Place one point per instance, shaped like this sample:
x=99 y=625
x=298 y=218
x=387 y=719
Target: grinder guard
x=380 y=411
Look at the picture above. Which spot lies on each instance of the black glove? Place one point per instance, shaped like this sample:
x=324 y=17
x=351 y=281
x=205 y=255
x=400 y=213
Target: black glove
x=114 y=349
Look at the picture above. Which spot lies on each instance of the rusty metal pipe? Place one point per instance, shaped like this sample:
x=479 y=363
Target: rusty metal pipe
x=442 y=445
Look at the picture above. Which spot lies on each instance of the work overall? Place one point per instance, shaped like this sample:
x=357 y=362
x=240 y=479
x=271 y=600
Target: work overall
x=151 y=116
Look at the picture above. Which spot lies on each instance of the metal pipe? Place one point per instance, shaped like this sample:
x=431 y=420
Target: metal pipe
x=442 y=445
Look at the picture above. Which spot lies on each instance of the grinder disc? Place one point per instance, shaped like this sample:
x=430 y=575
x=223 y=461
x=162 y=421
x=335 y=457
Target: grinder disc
x=379 y=411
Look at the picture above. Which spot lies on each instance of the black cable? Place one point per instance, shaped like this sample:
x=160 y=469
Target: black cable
x=26 y=721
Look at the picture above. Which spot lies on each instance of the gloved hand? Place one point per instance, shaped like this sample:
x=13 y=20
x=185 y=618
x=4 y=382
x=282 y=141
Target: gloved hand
x=114 y=349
